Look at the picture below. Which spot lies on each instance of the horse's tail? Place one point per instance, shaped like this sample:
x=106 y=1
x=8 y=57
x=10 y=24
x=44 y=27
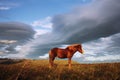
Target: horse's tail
x=50 y=53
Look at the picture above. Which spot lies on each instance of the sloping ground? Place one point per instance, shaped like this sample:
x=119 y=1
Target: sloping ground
x=39 y=70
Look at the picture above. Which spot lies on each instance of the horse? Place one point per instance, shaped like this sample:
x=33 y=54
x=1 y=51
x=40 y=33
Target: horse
x=68 y=52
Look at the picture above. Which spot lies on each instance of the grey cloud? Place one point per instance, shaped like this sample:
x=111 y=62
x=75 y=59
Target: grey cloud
x=98 y=19
x=116 y=40
x=15 y=31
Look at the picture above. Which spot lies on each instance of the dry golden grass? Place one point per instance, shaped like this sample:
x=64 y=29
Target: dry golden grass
x=39 y=70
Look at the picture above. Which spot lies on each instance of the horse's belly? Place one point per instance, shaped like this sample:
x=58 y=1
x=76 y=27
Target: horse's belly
x=61 y=53
x=62 y=56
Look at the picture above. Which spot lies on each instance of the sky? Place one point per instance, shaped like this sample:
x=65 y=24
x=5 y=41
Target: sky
x=30 y=28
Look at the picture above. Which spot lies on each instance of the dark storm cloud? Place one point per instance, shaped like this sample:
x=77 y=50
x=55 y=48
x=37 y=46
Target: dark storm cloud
x=15 y=31
x=98 y=19
x=85 y=23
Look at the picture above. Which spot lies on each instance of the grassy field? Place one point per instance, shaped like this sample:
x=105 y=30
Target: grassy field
x=39 y=70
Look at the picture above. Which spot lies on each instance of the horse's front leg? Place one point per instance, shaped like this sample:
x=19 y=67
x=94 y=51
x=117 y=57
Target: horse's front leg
x=51 y=62
x=69 y=63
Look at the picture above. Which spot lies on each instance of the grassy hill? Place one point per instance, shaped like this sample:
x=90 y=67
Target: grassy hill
x=39 y=70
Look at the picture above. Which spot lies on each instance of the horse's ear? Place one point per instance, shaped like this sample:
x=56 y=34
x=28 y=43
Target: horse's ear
x=80 y=45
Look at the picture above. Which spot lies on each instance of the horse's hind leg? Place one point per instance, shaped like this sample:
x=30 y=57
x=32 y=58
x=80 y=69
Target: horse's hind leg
x=50 y=63
x=52 y=56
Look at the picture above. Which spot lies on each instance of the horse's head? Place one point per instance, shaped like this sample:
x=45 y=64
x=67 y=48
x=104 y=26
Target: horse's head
x=78 y=47
x=75 y=47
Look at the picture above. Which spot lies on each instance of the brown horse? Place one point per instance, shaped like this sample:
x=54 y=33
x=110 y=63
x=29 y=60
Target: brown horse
x=64 y=53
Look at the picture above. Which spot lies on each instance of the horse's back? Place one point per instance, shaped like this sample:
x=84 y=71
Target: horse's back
x=54 y=49
x=57 y=50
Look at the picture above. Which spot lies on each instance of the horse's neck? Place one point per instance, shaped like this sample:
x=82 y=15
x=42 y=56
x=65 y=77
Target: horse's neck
x=71 y=50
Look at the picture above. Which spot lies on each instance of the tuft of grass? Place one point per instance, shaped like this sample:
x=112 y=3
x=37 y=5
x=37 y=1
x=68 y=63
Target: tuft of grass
x=39 y=70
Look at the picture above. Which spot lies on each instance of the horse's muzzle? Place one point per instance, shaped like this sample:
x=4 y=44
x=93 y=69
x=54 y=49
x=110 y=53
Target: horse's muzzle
x=82 y=51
